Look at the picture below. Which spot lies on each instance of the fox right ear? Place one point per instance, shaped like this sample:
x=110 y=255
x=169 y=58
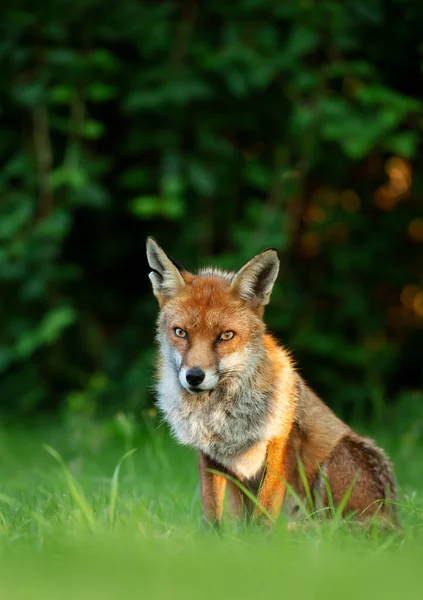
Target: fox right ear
x=254 y=282
x=165 y=274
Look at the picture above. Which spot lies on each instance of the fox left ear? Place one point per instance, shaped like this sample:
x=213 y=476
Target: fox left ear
x=254 y=282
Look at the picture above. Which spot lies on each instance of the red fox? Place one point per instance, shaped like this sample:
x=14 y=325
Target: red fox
x=228 y=390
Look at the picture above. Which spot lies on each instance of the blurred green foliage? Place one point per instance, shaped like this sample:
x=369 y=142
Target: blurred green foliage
x=220 y=128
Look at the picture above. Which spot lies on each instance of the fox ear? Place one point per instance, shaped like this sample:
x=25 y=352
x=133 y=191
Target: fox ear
x=254 y=282
x=165 y=274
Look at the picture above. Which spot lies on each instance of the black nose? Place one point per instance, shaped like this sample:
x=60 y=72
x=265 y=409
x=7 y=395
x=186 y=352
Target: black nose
x=195 y=376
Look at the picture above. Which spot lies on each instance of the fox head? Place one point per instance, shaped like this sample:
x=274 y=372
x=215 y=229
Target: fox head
x=210 y=327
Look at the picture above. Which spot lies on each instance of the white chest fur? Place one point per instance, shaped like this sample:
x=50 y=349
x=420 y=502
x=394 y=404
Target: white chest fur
x=233 y=430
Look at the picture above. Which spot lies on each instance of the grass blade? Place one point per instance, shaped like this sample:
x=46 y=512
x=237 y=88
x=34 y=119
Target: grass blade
x=305 y=483
x=8 y=500
x=74 y=488
x=114 y=488
x=328 y=490
x=338 y=514
x=246 y=491
x=298 y=500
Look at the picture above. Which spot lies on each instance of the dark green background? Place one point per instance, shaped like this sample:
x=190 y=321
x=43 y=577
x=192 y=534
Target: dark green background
x=220 y=128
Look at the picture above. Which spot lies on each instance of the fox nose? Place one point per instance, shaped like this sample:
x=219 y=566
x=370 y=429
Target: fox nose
x=195 y=376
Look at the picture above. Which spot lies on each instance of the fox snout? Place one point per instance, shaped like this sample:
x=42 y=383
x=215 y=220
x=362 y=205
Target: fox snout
x=196 y=380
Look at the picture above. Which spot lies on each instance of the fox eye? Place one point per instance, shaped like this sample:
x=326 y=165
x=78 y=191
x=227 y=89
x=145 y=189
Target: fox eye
x=180 y=333
x=226 y=336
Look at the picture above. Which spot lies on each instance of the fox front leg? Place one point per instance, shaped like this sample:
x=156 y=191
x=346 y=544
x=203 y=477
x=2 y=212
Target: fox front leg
x=240 y=506
x=272 y=491
x=212 y=490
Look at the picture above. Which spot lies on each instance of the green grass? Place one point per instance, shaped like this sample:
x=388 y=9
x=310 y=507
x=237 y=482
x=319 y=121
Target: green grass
x=82 y=516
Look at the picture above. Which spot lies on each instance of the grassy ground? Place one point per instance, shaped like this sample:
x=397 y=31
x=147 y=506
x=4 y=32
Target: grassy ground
x=83 y=528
